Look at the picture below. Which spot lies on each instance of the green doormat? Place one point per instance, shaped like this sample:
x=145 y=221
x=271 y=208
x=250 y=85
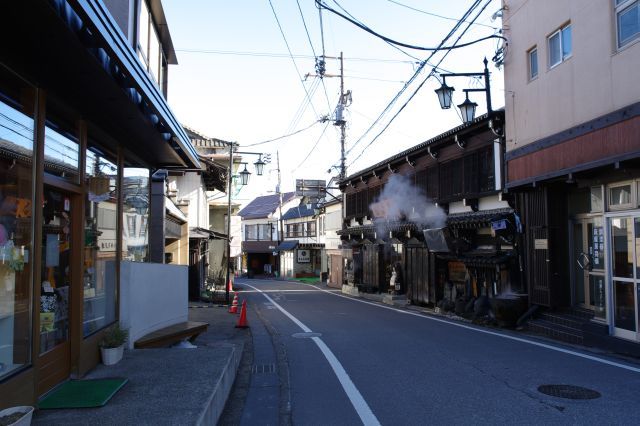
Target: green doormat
x=82 y=394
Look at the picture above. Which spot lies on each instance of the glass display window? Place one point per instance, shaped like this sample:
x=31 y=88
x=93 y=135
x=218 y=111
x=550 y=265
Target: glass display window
x=100 y=231
x=135 y=192
x=16 y=182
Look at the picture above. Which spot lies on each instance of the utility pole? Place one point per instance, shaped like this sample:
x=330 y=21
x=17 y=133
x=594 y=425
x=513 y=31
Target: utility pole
x=343 y=103
x=342 y=123
x=230 y=182
x=280 y=224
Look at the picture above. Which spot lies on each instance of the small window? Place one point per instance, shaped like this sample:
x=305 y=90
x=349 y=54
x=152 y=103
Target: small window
x=627 y=21
x=596 y=204
x=533 y=63
x=621 y=196
x=560 y=46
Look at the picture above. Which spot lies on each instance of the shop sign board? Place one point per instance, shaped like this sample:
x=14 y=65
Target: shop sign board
x=304 y=256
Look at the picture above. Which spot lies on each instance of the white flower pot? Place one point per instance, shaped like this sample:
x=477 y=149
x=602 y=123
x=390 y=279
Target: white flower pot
x=112 y=356
x=26 y=412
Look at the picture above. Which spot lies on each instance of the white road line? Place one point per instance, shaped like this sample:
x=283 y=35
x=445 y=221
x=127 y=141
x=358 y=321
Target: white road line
x=291 y=291
x=358 y=402
x=492 y=333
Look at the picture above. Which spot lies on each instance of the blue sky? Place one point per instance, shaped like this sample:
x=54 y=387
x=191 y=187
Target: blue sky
x=237 y=81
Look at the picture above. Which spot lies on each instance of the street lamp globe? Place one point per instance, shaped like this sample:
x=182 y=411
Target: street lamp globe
x=468 y=110
x=259 y=165
x=244 y=176
x=444 y=95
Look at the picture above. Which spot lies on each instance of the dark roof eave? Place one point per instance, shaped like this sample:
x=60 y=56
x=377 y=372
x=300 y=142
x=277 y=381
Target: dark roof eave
x=423 y=145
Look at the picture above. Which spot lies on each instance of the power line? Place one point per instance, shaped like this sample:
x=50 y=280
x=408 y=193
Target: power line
x=421 y=84
x=283 y=136
x=306 y=30
x=275 y=15
x=413 y=77
x=313 y=148
x=284 y=55
x=436 y=15
x=398 y=43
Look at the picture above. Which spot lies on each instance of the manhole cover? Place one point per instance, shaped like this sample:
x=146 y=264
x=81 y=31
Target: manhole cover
x=569 y=392
x=306 y=335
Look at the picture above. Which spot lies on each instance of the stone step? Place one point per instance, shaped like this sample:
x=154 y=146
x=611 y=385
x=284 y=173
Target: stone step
x=583 y=313
x=556 y=331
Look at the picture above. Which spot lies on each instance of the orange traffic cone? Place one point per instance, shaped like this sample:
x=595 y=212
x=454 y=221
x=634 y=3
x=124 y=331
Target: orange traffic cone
x=242 y=321
x=229 y=286
x=233 y=309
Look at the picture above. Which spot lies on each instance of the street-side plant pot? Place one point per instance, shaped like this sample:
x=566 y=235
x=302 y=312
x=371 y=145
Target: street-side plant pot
x=112 y=356
x=25 y=411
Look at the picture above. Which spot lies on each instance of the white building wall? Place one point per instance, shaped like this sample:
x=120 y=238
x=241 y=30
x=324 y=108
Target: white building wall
x=597 y=79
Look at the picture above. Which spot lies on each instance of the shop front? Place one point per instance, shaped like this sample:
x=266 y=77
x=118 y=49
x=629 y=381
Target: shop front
x=81 y=129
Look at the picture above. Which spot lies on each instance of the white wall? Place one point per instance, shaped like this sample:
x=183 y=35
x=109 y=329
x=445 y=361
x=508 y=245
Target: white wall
x=597 y=79
x=190 y=187
x=152 y=296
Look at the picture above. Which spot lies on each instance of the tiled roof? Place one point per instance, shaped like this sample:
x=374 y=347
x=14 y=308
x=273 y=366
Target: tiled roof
x=263 y=206
x=298 y=212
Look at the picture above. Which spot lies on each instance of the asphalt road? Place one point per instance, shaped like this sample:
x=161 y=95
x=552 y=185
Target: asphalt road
x=341 y=360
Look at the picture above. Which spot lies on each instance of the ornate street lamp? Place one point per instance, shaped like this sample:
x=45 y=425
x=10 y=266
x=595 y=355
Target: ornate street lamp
x=467 y=108
x=444 y=95
x=259 y=165
x=244 y=175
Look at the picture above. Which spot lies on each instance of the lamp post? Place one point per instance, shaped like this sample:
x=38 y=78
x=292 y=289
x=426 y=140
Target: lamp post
x=244 y=180
x=467 y=108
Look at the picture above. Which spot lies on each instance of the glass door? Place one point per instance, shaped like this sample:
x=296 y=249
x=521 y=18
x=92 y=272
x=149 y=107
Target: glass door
x=56 y=284
x=589 y=265
x=625 y=249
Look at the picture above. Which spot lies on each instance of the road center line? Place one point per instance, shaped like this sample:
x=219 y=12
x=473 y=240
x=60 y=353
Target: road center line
x=358 y=402
x=492 y=333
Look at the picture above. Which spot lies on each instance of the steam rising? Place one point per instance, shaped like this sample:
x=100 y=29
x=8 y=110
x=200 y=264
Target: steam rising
x=400 y=199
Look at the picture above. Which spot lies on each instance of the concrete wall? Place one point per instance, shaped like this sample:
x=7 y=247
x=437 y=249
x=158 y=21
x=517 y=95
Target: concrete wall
x=152 y=296
x=597 y=79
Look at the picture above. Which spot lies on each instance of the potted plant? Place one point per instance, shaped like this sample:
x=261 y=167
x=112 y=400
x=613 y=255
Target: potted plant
x=16 y=416
x=112 y=344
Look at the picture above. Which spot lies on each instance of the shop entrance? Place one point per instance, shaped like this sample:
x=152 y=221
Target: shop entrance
x=625 y=265
x=57 y=283
x=589 y=264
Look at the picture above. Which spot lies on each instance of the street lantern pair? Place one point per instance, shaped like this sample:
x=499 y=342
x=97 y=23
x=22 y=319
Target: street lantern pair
x=244 y=175
x=467 y=108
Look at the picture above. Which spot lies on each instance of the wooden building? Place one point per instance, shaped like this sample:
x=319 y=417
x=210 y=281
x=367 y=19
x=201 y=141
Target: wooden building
x=437 y=214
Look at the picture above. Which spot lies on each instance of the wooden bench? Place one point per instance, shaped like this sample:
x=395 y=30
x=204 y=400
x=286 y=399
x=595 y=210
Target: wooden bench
x=172 y=334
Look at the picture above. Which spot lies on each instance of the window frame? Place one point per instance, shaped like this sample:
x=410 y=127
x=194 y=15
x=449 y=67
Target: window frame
x=531 y=51
x=560 y=32
x=632 y=196
x=621 y=6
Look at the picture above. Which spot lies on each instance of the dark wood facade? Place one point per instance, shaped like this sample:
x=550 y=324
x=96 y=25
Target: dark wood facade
x=460 y=172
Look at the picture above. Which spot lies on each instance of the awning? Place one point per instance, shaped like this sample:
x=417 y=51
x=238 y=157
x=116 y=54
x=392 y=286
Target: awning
x=287 y=245
x=201 y=233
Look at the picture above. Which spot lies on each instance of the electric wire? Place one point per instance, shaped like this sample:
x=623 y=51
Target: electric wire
x=275 y=15
x=306 y=30
x=312 y=148
x=436 y=15
x=283 y=136
x=413 y=77
x=285 y=55
x=420 y=86
x=398 y=43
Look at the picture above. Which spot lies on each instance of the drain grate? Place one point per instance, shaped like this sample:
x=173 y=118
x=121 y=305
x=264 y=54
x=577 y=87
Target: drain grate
x=263 y=368
x=569 y=392
x=306 y=335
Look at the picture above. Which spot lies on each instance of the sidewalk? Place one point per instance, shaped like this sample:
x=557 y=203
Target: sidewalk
x=168 y=386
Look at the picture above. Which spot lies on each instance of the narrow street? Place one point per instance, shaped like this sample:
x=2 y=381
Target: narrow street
x=351 y=361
